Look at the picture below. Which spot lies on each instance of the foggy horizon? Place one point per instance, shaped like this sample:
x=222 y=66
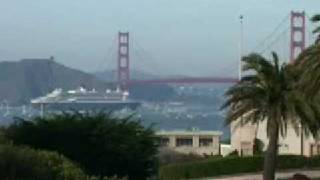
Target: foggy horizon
x=169 y=38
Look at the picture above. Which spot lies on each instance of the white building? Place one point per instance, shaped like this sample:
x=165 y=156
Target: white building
x=242 y=139
x=193 y=141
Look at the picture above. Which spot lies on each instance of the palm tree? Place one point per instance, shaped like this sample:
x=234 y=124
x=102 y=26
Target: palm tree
x=309 y=64
x=316 y=19
x=268 y=94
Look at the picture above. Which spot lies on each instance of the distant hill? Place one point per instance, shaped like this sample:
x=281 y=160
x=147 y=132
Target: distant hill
x=29 y=78
x=20 y=81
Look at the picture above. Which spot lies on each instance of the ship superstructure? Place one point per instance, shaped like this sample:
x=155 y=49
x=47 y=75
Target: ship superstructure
x=82 y=99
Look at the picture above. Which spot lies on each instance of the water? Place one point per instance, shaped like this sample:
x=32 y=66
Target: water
x=185 y=117
x=196 y=107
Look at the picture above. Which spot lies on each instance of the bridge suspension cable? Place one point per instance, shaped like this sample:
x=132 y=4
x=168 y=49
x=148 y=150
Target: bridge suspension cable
x=276 y=40
x=260 y=45
x=143 y=55
x=109 y=57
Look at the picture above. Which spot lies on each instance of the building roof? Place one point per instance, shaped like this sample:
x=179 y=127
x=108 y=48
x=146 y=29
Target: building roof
x=189 y=133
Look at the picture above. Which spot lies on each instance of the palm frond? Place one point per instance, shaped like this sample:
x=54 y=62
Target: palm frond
x=309 y=65
x=316 y=30
x=316 y=18
x=271 y=93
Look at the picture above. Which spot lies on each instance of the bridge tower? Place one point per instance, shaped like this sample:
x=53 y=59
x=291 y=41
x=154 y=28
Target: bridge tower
x=298 y=38
x=123 y=60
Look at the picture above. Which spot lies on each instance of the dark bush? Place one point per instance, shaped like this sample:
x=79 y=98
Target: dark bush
x=300 y=177
x=234 y=153
x=168 y=156
x=27 y=163
x=107 y=178
x=314 y=161
x=292 y=162
x=231 y=165
x=211 y=168
x=258 y=147
x=102 y=144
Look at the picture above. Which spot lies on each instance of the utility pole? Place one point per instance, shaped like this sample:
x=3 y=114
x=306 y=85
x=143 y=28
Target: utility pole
x=240 y=48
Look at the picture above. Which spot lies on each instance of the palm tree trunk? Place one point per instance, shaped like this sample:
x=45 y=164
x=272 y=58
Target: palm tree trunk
x=270 y=159
x=302 y=142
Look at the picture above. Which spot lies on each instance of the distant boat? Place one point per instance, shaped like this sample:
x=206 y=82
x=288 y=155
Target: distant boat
x=84 y=100
x=176 y=103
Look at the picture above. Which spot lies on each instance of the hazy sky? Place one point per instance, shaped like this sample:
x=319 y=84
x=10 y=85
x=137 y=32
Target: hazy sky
x=196 y=37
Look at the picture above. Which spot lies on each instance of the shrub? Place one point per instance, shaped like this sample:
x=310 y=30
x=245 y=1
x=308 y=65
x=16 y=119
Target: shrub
x=231 y=165
x=27 y=163
x=234 y=153
x=3 y=139
x=102 y=144
x=314 y=161
x=168 y=156
x=258 y=147
x=211 y=167
x=106 y=178
x=292 y=162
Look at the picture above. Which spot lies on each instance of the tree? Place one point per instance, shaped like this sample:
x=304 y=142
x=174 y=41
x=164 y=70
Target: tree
x=258 y=146
x=309 y=65
x=316 y=19
x=26 y=163
x=102 y=144
x=268 y=93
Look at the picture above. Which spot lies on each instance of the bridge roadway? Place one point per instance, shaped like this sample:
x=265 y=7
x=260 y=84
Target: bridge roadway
x=186 y=80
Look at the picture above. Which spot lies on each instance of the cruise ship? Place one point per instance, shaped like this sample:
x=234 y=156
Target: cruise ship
x=82 y=99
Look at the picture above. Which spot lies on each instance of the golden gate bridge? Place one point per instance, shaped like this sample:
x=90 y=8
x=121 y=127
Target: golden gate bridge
x=297 y=43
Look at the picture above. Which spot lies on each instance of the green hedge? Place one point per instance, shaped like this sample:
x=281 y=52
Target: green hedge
x=26 y=163
x=104 y=145
x=231 y=165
